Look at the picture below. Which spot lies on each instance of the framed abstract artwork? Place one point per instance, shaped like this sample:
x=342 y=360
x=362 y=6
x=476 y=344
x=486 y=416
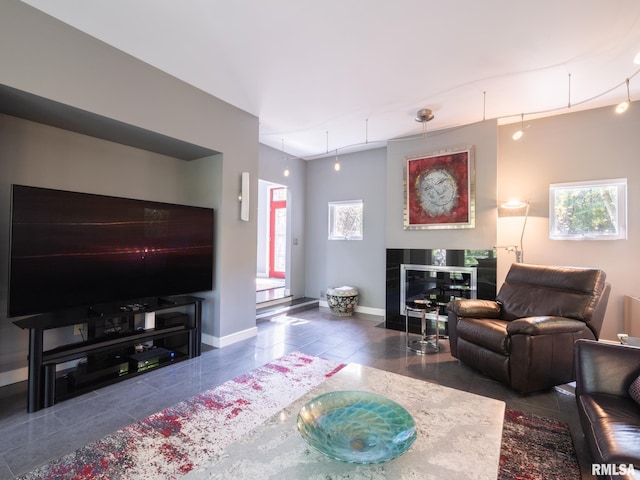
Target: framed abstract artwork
x=439 y=190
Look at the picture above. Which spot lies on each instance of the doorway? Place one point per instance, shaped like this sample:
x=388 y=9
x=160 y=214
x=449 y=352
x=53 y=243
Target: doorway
x=271 y=272
x=277 y=232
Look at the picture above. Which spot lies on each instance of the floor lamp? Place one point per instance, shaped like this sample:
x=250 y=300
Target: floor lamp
x=514 y=206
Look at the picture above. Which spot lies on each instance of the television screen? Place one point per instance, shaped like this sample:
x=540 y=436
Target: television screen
x=73 y=249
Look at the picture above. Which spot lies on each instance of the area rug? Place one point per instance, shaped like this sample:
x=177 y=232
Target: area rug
x=536 y=448
x=170 y=443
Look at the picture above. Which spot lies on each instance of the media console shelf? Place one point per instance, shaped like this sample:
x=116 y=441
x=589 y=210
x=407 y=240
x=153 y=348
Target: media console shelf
x=121 y=341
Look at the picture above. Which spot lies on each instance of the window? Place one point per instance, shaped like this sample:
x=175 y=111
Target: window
x=594 y=210
x=345 y=220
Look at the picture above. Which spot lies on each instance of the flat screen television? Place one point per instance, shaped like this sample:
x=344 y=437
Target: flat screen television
x=73 y=249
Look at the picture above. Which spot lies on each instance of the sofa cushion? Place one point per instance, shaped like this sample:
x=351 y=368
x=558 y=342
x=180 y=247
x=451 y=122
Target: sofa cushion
x=634 y=390
x=612 y=427
x=489 y=333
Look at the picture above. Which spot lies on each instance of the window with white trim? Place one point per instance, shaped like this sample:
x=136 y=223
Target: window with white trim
x=345 y=220
x=593 y=210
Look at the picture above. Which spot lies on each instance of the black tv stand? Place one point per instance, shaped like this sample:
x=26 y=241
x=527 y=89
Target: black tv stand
x=165 y=301
x=111 y=350
x=92 y=313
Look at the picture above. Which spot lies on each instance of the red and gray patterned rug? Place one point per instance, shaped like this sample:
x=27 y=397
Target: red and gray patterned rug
x=172 y=442
x=536 y=448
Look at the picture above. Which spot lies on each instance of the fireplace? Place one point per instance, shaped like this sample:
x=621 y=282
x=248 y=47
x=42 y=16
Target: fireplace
x=437 y=275
x=439 y=285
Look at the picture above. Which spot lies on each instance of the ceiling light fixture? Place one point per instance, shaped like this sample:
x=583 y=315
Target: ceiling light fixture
x=518 y=135
x=366 y=131
x=636 y=60
x=623 y=106
x=424 y=115
x=336 y=165
x=286 y=164
x=484 y=106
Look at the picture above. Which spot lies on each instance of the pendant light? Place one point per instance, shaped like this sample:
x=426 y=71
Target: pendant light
x=423 y=116
x=286 y=163
x=623 y=106
x=336 y=166
x=518 y=135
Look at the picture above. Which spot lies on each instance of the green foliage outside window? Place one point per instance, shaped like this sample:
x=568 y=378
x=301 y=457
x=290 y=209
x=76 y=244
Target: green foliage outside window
x=586 y=210
x=592 y=210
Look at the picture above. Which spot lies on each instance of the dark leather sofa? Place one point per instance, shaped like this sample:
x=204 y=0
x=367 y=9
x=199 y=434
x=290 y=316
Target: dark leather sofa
x=610 y=418
x=525 y=337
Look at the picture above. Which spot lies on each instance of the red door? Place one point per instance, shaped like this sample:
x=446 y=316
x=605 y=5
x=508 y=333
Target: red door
x=278 y=232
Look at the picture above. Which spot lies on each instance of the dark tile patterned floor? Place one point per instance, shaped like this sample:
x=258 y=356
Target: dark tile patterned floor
x=28 y=440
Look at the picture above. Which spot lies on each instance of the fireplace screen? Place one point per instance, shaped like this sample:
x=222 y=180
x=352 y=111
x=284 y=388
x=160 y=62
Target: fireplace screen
x=438 y=284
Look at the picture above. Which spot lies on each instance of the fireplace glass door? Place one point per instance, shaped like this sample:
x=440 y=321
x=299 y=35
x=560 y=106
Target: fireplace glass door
x=439 y=285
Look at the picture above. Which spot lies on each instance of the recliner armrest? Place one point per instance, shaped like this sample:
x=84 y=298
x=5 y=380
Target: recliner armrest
x=544 y=325
x=472 y=308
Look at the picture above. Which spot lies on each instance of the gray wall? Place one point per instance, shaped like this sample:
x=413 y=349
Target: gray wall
x=358 y=263
x=46 y=57
x=377 y=177
x=38 y=155
x=591 y=145
x=483 y=137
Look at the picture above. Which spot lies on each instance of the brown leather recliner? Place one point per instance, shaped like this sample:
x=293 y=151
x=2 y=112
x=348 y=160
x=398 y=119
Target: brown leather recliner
x=525 y=337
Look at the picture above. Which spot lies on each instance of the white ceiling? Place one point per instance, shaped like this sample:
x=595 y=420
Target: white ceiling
x=347 y=74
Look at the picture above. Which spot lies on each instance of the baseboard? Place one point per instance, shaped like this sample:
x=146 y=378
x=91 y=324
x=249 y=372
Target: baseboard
x=14 y=376
x=359 y=309
x=220 y=342
x=371 y=311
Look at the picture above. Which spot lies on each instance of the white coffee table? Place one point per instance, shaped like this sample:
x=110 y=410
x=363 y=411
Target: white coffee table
x=459 y=436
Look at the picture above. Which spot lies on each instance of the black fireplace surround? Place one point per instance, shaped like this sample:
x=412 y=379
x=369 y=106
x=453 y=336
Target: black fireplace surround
x=483 y=261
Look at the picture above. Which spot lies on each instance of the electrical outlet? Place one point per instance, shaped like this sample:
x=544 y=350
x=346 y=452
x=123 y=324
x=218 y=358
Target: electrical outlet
x=77 y=329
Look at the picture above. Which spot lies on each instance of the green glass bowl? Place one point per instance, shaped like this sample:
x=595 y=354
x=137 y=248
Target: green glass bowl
x=357 y=427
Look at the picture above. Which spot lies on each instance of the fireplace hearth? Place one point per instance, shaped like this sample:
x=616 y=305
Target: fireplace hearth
x=437 y=275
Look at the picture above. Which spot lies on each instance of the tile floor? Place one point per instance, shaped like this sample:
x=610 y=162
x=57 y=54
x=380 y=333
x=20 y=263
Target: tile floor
x=29 y=440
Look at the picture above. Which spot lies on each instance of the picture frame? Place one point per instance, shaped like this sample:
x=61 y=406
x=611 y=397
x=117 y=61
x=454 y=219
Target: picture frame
x=439 y=190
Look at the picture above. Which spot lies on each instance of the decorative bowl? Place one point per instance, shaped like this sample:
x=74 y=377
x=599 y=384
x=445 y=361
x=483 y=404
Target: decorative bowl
x=357 y=426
